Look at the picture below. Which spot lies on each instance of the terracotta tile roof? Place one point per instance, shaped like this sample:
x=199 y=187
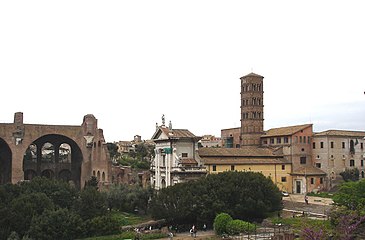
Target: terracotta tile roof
x=182 y=133
x=243 y=160
x=252 y=75
x=342 y=133
x=176 y=133
x=308 y=171
x=285 y=131
x=236 y=152
x=236 y=128
x=188 y=161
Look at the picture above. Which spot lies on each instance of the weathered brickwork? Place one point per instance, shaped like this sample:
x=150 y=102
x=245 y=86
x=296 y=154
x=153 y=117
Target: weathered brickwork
x=29 y=150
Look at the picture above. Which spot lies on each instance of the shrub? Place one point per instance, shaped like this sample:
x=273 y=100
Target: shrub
x=220 y=223
x=56 y=224
x=237 y=226
x=104 y=225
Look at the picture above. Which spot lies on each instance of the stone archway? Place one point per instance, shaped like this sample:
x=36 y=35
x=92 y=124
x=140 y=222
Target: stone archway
x=5 y=162
x=54 y=156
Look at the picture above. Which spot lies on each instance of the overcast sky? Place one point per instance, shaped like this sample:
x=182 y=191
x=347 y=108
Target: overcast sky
x=129 y=62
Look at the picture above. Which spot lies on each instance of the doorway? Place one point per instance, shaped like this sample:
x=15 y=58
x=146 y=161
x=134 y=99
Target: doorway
x=298 y=185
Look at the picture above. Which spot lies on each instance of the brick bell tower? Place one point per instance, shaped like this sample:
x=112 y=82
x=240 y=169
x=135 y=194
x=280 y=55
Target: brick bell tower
x=252 y=109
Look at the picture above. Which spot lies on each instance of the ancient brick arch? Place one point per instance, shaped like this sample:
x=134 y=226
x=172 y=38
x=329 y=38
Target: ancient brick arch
x=5 y=162
x=88 y=151
x=40 y=161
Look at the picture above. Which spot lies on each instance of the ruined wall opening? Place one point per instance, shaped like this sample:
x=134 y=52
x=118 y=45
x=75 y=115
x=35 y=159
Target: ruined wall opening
x=54 y=156
x=5 y=162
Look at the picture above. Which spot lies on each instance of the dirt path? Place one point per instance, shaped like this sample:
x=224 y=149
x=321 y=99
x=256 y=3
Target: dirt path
x=294 y=205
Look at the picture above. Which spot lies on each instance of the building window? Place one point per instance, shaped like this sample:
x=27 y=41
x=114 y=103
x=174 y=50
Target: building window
x=321 y=144
x=352 y=147
x=309 y=140
x=303 y=160
x=278 y=140
x=362 y=163
x=318 y=165
x=232 y=167
x=282 y=167
x=314 y=145
x=321 y=180
x=300 y=139
x=361 y=145
x=312 y=180
x=214 y=168
x=362 y=174
x=286 y=140
x=331 y=144
x=271 y=141
x=304 y=139
x=283 y=179
x=343 y=144
x=184 y=155
x=352 y=163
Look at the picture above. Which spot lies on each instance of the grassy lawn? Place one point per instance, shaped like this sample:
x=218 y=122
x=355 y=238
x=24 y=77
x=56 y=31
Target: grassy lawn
x=126 y=219
x=129 y=219
x=321 y=194
x=298 y=224
x=128 y=235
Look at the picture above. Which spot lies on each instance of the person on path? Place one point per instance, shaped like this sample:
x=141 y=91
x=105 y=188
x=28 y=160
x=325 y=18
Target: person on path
x=306 y=199
x=193 y=231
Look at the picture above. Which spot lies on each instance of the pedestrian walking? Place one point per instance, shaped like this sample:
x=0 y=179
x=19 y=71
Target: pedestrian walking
x=193 y=231
x=306 y=199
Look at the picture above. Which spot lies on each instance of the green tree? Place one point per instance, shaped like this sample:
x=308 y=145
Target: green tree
x=350 y=174
x=144 y=151
x=103 y=225
x=243 y=195
x=237 y=226
x=56 y=224
x=220 y=223
x=351 y=195
x=128 y=198
x=113 y=150
x=61 y=193
x=23 y=209
x=91 y=203
x=92 y=182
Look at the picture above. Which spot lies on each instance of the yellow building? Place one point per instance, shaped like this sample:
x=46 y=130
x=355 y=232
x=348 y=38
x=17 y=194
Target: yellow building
x=256 y=159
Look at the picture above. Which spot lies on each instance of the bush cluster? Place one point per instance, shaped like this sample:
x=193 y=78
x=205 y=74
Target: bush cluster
x=225 y=224
x=50 y=209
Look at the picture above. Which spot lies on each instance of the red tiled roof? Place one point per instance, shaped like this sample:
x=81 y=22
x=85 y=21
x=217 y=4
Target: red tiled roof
x=307 y=171
x=175 y=133
x=188 y=161
x=236 y=152
x=243 y=160
x=252 y=75
x=342 y=133
x=285 y=131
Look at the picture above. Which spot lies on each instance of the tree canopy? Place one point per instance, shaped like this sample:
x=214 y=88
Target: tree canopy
x=243 y=195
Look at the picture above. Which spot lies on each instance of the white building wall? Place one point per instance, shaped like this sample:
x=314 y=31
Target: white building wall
x=336 y=159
